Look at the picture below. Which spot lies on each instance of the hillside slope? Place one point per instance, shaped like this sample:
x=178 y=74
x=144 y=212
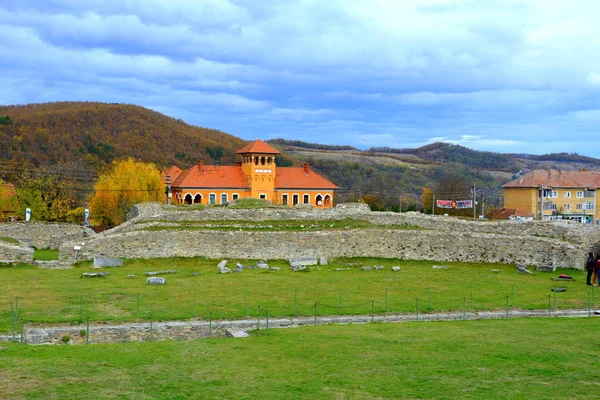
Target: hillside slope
x=93 y=134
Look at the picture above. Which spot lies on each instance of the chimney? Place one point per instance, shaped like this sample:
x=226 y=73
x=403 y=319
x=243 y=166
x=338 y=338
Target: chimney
x=306 y=170
x=238 y=164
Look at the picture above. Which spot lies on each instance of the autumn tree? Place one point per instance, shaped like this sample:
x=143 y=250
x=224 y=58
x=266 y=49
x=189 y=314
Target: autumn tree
x=50 y=192
x=124 y=184
x=427 y=201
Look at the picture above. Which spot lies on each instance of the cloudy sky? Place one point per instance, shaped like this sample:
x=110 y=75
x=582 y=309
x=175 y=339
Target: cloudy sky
x=498 y=75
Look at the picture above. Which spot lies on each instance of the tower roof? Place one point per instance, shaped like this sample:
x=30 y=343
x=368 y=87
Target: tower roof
x=258 y=146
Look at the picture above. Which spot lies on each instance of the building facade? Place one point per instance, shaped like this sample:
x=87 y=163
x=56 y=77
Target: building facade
x=256 y=176
x=554 y=194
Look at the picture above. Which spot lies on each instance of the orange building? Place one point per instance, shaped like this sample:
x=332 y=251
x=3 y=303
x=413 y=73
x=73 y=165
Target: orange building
x=256 y=176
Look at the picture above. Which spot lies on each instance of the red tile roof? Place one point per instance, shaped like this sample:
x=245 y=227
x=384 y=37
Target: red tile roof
x=506 y=213
x=297 y=178
x=173 y=172
x=557 y=179
x=258 y=146
x=210 y=176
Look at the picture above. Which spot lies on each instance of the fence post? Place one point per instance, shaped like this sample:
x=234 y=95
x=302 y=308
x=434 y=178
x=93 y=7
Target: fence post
x=430 y=299
x=472 y=309
x=549 y=305
x=151 y=326
x=340 y=303
x=14 y=321
x=316 y=313
x=195 y=310
x=267 y=322
x=506 y=306
x=417 y=310
x=17 y=307
x=87 y=331
x=80 y=309
x=210 y=324
x=258 y=319
x=513 y=297
x=137 y=306
x=386 y=302
x=372 y=309
x=464 y=308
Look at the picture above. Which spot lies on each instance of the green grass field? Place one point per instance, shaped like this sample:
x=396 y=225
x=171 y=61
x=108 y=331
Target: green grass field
x=62 y=296
x=497 y=359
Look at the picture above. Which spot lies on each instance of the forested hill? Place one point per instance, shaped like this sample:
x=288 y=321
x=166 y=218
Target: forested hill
x=93 y=134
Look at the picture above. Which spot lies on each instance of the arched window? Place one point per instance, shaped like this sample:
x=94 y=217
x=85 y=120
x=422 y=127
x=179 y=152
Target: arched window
x=223 y=198
x=198 y=199
x=319 y=200
x=255 y=160
x=262 y=161
x=327 y=201
x=212 y=199
x=284 y=199
x=306 y=199
x=187 y=199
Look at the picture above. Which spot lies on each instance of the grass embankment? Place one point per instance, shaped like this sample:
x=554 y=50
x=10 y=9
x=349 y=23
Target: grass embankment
x=62 y=296
x=274 y=225
x=501 y=359
x=45 y=254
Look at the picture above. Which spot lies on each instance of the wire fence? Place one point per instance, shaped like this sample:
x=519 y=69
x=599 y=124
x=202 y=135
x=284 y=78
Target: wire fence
x=216 y=304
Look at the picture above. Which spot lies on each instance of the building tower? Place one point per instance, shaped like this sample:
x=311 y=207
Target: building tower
x=258 y=166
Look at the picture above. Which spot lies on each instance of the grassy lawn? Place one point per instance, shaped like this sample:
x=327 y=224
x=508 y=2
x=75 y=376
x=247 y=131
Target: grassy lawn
x=499 y=359
x=62 y=296
x=45 y=254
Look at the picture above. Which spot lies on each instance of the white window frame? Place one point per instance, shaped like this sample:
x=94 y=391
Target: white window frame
x=579 y=195
x=235 y=196
x=567 y=195
x=554 y=194
x=212 y=199
x=226 y=198
x=285 y=199
x=306 y=198
x=295 y=197
x=588 y=205
x=553 y=206
x=567 y=206
x=579 y=206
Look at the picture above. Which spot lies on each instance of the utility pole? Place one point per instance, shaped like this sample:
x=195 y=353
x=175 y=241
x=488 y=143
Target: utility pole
x=401 y=194
x=474 y=207
x=482 y=202
x=433 y=204
x=168 y=190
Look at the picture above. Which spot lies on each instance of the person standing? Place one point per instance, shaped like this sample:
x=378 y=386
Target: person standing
x=597 y=273
x=590 y=266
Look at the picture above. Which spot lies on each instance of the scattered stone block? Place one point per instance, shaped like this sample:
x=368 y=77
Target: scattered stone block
x=94 y=274
x=274 y=269
x=262 y=265
x=107 y=262
x=366 y=268
x=559 y=289
x=222 y=264
x=378 y=267
x=238 y=267
x=156 y=280
x=298 y=268
x=496 y=270
x=304 y=261
x=440 y=267
x=522 y=268
x=323 y=261
x=132 y=276
x=341 y=269
x=395 y=268
x=162 y=272
x=195 y=273
x=545 y=268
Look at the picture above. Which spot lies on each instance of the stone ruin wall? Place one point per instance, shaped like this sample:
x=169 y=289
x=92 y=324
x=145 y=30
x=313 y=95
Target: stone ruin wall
x=443 y=239
x=564 y=244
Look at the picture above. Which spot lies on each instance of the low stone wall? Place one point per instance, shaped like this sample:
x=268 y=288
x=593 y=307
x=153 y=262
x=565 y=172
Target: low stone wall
x=183 y=330
x=16 y=253
x=385 y=243
x=44 y=235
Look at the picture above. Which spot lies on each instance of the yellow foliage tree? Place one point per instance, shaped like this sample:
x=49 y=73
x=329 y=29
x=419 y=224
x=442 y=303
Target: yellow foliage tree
x=126 y=183
x=427 y=200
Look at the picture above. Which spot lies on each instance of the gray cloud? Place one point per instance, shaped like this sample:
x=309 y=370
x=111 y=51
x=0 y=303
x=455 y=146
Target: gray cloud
x=503 y=75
